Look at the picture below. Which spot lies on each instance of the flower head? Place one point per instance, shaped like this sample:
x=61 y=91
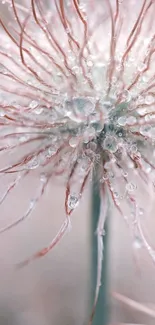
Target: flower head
x=78 y=94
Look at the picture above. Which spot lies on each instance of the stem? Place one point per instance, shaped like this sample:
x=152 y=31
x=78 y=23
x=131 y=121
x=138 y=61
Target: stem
x=102 y=312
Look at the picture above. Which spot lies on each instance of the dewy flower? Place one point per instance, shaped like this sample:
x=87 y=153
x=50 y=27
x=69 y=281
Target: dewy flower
x=77 y=94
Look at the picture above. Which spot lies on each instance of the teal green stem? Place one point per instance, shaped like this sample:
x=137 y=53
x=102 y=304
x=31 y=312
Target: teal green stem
x=102 y=313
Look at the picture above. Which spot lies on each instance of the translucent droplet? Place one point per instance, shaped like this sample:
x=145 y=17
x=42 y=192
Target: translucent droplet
x=33 y=163
x=89 y=134
x=152 y=253
x=33 y=104
x=99 y=127
x=122 y=120
x=95 y=118
x=126 y=96
x=116 y=195
x=124 y=173
x=39 y=110
x=89 y=63
x=130 y=187
x=93 y=146
x=152 y=133
x=145 y=129
x=133 y=148
x=43 y=178
x=137 y=244
x=53 y=115
x=73 y=142
x=147 y=117
x=141 y=211
x=23 y=138
x=149 y=99
x=32 y=203
x=105 y=177
x=142 y=66
x=73 y=201
x=140 y=99
x=78 y=109
x=2 y=113
x=85 y=163
x=82 y=6
x=51 y=151
x=106 y=104
x=110 y=143
x=131 y=120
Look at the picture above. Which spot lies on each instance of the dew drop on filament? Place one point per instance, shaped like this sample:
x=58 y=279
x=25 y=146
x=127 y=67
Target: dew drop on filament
x=73 y=142
x=110 y=144
x=130 y=187
x=73 y=201
x=137 y=244
x=33 y=163
x=33 y=104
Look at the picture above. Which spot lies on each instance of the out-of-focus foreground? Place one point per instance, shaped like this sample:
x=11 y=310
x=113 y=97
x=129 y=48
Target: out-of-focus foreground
x=56 y=289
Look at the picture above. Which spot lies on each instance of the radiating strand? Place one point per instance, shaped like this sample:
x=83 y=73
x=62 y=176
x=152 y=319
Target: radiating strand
x=32 y=206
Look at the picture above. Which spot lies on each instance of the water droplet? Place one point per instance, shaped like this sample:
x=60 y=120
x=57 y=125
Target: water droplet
x=89 y=134
x=147 y=117
x=99 y=127
x=51 y=151
x=53 y=115
x=78 y=109
x=92 y=146
x=39 y=110
x=33 y=104
x=137 y=244
x=33 y=163
x=124 y=173
x=116 y=195
x=73 y=201
x=126 y=96
x=140 y=99
x=106 y=104
x=23 y=138
x=89 y=63
x=131 y=120
x=110 y=143
x=149 y=99
x=145 y=129
x=43 y=178
x=152 y=133
x=122 y=120
x=133 y=148
x=32 y=203
x=85 y=163
x=141 y=211
x=73 y=142
x=142 y=66
x=2 y=113
x=130 y=187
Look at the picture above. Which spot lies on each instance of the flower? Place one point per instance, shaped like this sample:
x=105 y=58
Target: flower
x=77 y=94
